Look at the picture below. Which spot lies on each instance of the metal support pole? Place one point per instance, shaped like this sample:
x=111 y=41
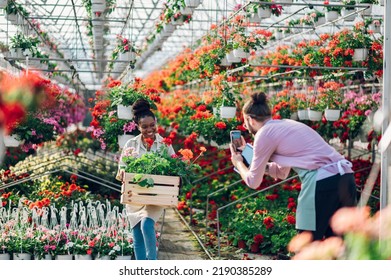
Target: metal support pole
x=385 y=189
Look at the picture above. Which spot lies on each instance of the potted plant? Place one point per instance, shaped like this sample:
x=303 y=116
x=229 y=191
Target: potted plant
x=332 y=11
x=348 y=11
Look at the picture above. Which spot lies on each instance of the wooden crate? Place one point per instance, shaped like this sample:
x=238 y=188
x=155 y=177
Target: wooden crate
x=164 y=192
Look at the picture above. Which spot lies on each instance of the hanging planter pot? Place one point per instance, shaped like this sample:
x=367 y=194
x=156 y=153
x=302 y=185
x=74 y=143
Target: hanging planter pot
x=332 y=114
x=187 y=11
x=368 y=11
x=331 y=15
x=314 y=115
x=224 y=62
x=360 y=54
x=348 y=14
x=374 y=28
x=124 y=112
x=192 y=3
x=278 y=35
x=97 y=22
x=122 y=139
x=320 y=21
x=227 y=112
x=233 y=59
x=11 y=141
x=17 y=53
x=264 y=13
x=255 y=18
x=241 y=53
x=3 y=4
x=128 y=56
x=98 y=6
x=302 y=115
x=12 y=18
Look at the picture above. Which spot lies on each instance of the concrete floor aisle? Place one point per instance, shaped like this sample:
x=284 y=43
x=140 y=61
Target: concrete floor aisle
x=177 y=242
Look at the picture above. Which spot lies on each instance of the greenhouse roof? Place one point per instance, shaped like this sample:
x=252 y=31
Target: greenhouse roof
x=65 y=22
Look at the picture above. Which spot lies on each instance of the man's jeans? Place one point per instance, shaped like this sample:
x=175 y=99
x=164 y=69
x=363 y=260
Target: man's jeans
x=144 y=240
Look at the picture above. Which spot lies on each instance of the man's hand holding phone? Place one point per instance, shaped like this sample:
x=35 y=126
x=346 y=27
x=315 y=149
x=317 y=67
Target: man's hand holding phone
x=237 y=140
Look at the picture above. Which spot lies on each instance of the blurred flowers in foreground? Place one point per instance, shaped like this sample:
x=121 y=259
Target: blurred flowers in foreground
x=363 y=237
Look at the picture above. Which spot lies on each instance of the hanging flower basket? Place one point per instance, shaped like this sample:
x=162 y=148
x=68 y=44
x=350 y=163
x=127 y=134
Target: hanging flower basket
x=227 y=112
x=124 y=112
x=374 y=28
x=231 y=58
x=368 y=11
x=98 y=6
x=122 y=139
x=331 y=15
x=302 y=115
x=128 y=56
x=254 y=18
x=320 y=21
x=332 y=114
x=192 y=3
x=186 y=11
x=348 y=14
x=264 y=13
x=17 y=53
x=224 y=62
x=241 y=53
x=164 y=192
x=360 y=54
x=3 y=4
x=314 y=115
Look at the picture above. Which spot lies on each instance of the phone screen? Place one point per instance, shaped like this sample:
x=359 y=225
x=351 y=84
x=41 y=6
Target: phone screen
x=236 y=138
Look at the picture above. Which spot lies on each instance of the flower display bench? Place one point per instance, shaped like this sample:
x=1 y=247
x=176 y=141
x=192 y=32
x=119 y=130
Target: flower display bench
x=164 y=192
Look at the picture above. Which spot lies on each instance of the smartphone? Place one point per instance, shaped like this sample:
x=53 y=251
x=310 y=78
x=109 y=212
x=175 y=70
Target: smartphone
x=236 y=138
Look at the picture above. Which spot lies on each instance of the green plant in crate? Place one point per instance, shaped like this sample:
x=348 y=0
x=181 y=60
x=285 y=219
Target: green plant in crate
x=160 y=163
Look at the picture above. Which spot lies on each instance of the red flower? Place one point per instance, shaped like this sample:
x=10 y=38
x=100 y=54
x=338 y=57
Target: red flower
x=149 y=142
x=268 y=222
x=220 y=125
x=258 y=238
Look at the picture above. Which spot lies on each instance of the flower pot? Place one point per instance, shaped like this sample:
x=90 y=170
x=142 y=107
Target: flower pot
x=3 y=4
x=83 y=257
x=21 y=256
x=16 y=53
x=63 y=257
x=360 y=54
x=332 y=114
x=224 y=62
x=320 y=21
x=178 y=21
x=255 y=18
x=187 y=11
x=122 y=139
x=11 y=141
x=98 y=6
x=278 y=35
x=5 y=256
x=127 y=56
x=332 y=15
x=124 y=112
x=227 y=112
x=96 y=22
x=264 y=13
x=348 y=14
x=192 y=3
x=368 y=11
x=374 y=28
x=294 y=116
x=12 y=18
x=302 y=114
x=102 y=258
x=46 y=257
x=232 y=59
x=314 y=115
x=241 y=53
x=128 y=257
